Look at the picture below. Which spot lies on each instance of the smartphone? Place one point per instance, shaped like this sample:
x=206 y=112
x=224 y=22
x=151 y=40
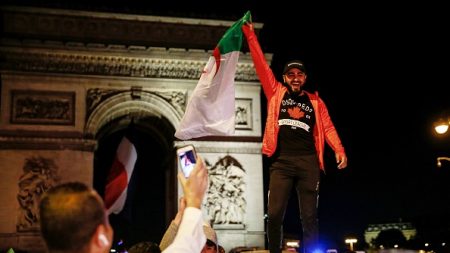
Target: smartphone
x=187 y=157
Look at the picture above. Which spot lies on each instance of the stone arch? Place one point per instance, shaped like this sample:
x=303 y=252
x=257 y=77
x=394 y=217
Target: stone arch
x=154 y=116
x=126 y=104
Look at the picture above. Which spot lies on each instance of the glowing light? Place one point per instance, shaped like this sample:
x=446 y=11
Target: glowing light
x=351 y=241
x=441 y=126
x=293 y=244
x=442 y=158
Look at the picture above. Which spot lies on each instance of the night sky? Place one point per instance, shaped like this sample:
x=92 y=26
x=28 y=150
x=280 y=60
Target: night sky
x=383 y=71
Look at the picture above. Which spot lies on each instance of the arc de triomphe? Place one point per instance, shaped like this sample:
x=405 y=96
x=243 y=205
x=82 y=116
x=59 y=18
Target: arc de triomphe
x=70 y=78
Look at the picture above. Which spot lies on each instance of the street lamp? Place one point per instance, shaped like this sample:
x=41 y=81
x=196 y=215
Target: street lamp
x=441 y=125
x=442 y=158
x=351 y=241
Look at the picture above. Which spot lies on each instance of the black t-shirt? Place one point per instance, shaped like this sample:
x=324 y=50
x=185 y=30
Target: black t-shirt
x=296 y=121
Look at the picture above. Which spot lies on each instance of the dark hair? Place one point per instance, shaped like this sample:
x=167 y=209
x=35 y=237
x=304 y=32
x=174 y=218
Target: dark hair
x=210 y=243
x=70 y=214
x=145 y=247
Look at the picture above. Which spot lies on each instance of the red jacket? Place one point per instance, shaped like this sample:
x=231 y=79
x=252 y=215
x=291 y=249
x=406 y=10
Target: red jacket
x=274 y=91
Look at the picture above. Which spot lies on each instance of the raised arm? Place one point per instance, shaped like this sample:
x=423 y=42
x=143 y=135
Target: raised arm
x=190 y=237
x=263 y=70
x=172 y=230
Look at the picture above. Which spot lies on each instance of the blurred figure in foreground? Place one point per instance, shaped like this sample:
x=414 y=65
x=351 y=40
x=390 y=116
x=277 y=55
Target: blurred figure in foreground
x=73 y=219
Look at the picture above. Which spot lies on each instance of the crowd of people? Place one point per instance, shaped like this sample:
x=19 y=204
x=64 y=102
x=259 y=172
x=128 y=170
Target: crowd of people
x=73 y=219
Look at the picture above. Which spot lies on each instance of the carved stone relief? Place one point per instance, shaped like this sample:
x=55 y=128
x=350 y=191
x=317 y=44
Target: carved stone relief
x=226 y=203
x=243 y=113
x=39 y=175
x=113 y=65
x=175 y=98
x=42 y=107
x=95 y=96
x=104 y=65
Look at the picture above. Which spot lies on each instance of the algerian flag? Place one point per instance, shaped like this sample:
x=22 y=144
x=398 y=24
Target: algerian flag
x=210 y=110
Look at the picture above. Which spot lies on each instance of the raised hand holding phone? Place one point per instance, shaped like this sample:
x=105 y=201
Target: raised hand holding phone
x=195 y=186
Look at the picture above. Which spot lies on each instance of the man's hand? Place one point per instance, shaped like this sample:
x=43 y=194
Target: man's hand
x=195 y=186
x=247 y=29
x=341 y=160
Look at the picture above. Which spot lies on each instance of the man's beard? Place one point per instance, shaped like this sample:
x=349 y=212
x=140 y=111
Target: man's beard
x=294 y=93
x=291 y=91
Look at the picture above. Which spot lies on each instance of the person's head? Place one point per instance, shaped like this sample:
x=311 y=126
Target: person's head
x=294 y=75
x=145 y=247
x=211 y=245
x=73 y=219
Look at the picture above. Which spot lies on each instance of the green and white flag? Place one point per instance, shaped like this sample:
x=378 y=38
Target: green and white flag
x=210 y=110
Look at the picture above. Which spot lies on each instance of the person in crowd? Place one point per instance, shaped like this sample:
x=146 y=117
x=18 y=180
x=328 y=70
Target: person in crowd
x=73 y=217
x=211 y=245
x=144 y=247
x=297 y=127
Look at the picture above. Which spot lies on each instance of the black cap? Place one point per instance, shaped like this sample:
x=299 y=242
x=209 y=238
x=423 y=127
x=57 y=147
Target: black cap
x=294 y=64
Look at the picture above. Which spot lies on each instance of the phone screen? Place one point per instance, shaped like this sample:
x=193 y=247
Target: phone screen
x=187 y=159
